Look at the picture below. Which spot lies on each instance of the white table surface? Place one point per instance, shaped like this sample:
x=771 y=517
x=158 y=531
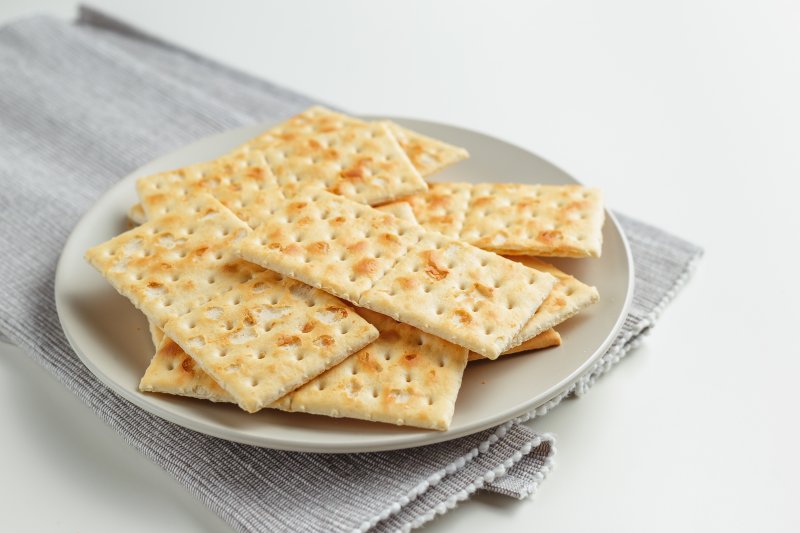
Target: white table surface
x=687 y=115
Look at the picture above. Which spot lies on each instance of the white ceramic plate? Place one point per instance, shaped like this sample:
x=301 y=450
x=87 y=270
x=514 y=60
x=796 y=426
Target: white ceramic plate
x=111 y=338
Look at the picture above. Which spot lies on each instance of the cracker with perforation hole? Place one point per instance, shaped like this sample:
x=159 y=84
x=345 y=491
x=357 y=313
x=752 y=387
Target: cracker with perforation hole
x=174 y=263
x=516 y=219
x=568 y=297
x=545 y=339
x=265 y=338
x=427 y=154
x=313 y=121
x=360 y=161
x=443 y=208
x=231 y=179
x=325 y=240
x=173 y=371
x=460 y=293
x=404 y=377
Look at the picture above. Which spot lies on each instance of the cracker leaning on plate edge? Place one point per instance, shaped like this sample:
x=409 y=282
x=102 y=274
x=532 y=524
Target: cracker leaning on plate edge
x=291 y=158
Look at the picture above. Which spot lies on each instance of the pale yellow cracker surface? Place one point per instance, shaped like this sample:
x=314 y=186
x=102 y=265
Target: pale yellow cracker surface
x=568 y=297
x=325 y=240
x=173 y=371
x=401 y=210
x=232 y=179
x=175 y=263
x=427 y=154
x=361 y=161
x=405 y=377
x=547 y=220
x=545 y=339
x=313 y=121
x=516 y=219
x=268 y=336
x=462 y=294
x=443 y=208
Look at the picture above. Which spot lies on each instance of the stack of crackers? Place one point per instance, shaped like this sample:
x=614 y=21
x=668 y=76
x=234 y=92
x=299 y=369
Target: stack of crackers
x=314 y=269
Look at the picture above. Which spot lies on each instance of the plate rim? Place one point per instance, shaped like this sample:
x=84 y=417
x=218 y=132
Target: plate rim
x=401 y=441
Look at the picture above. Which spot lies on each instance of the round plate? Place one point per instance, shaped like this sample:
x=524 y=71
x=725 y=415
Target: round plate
x=111 y=336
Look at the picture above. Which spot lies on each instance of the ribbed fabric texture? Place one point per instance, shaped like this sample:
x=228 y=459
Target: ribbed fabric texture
x=84 y=104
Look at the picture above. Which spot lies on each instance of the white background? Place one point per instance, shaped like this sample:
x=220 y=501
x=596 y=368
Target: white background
x=686 y=114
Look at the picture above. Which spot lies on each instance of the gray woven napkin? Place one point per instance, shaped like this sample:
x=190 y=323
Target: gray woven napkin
x=84 y=103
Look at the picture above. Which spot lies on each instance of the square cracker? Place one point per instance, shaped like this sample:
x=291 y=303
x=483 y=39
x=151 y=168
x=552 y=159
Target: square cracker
x=404 y=377
x=268 y=336
x=545 y=339
x=326 y=240
x=428 y=155
x=361 y=161
x=467 y=296
x=568 y=297
x=516 y=219
x=546 y=220
x=231 y=179
x=348 y=155
x=460 y=293
x=172 y=264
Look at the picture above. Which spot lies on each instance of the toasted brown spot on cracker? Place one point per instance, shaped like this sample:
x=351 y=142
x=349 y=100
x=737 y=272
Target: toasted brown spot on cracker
x=324 y=340
x=366 y=267
x=188 y=364
x=319 y=247
x=549 y=236
x=463 y=316
x=433 y=268
x=357 y=247
x=484 y=290
x=287 y=340
x=407 y=283
x=354 y=173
